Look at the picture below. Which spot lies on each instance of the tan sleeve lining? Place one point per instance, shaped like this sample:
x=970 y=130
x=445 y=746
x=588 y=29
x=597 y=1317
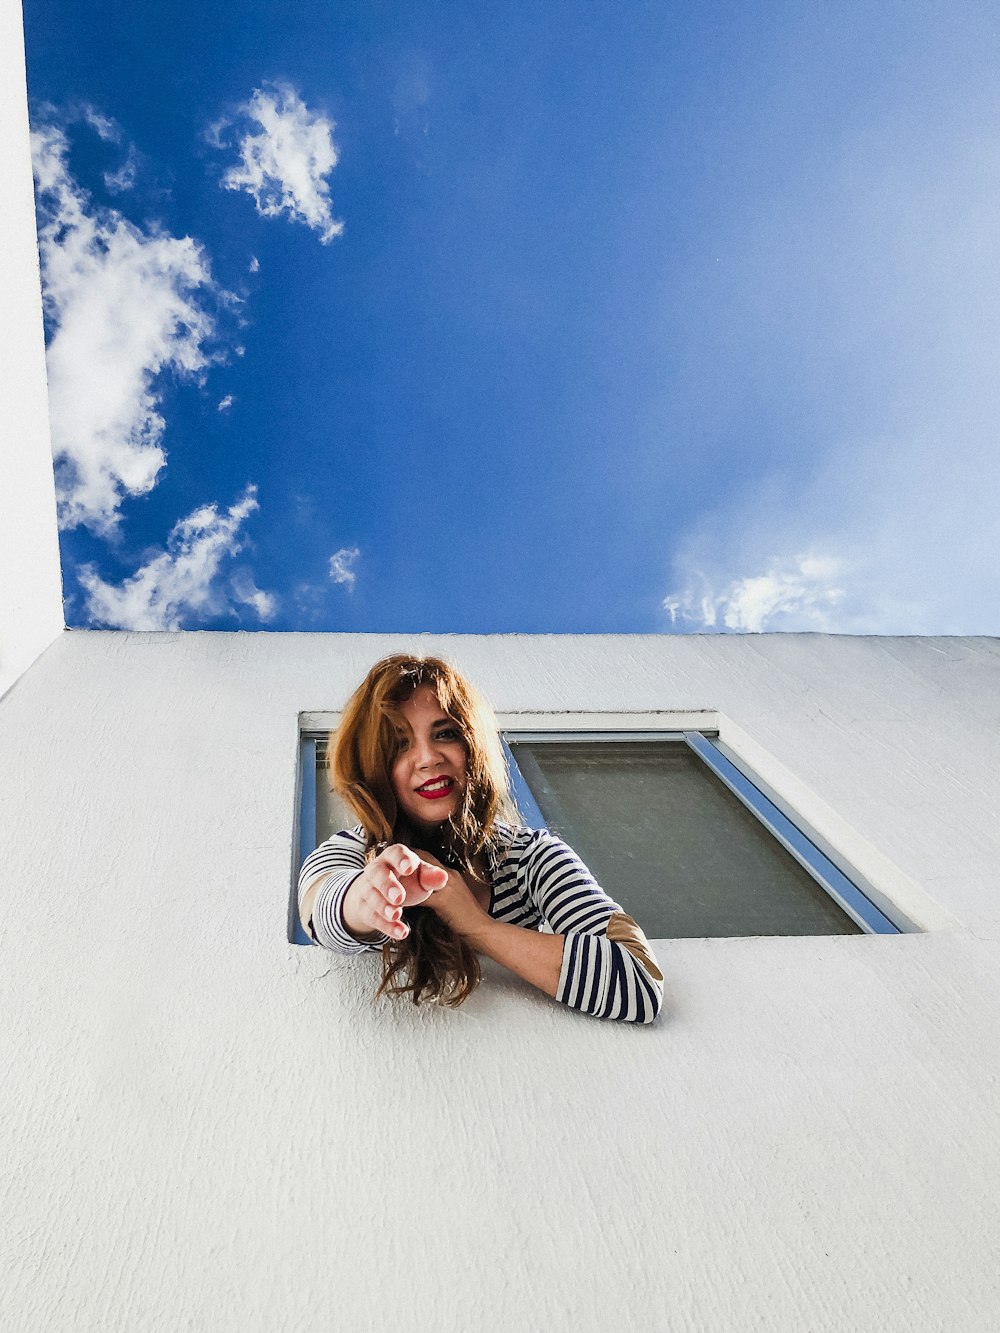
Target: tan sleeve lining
x=623 y=930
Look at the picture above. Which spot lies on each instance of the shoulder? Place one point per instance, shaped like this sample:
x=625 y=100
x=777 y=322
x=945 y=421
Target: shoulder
x=345 y=838
x=512 y=839
x=348 y=842
x=531 y=845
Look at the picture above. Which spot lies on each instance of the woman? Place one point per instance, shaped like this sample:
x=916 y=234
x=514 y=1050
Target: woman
x=441 y=866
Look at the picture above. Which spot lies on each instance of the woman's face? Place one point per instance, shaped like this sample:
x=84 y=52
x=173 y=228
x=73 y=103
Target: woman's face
x=428 y=775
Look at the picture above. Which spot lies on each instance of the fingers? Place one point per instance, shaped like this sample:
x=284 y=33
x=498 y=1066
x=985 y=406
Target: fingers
x=387 y=883
x=392 y=922
x=385 y=903
x=383 y=908
x=399 y=861
x=386 y=893
x=390 y=888
x=399 y=858
x=365 y=909
x=432 y=877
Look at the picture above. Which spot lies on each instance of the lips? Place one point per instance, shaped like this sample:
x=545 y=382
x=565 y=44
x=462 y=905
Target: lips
x=436 y=789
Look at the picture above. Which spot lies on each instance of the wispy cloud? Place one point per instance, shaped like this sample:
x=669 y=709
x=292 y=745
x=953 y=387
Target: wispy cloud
x=125 y=307
x=309 y=600
x=342 y=565
x=103 y=126
x=874 y=351
x=123 y=177
x=900 y=538
x=245 y=591
x=225 y=403
x=181 y=586
x=286 y=154
x=794 y=594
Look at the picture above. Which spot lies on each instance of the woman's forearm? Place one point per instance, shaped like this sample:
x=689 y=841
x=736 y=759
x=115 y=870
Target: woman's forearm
x=604 y=977
x=331 y=926
x=534 y=956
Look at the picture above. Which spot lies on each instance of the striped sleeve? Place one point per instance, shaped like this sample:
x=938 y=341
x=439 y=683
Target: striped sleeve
x=608 y=969
x=342 y=859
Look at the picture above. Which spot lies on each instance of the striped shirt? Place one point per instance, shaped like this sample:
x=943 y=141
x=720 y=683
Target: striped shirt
x=608 y=970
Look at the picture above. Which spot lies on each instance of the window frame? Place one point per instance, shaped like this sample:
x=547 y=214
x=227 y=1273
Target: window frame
x=304 y=819
x=845 y=886
x=708 y=735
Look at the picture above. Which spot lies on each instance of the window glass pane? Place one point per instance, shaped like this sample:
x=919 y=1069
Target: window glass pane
x=331 y=813
x=671 y=843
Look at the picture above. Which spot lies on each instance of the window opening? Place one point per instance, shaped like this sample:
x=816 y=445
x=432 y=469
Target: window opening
x=672 y=828
x=682 y=837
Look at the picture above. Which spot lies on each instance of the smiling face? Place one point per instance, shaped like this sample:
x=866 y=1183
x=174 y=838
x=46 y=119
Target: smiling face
x=428 y=773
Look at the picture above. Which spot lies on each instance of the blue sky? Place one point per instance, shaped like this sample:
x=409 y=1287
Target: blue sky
x=621 y=317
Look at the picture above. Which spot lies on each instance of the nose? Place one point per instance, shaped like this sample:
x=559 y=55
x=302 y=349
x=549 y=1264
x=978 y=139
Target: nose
x=428 y=754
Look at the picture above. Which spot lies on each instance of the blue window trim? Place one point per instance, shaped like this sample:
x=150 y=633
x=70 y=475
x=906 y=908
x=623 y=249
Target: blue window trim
x=305 y=830
x=828 y=876
x=521 y=792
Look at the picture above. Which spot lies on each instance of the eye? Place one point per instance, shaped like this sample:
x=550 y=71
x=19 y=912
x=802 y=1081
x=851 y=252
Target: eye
x=449 y=734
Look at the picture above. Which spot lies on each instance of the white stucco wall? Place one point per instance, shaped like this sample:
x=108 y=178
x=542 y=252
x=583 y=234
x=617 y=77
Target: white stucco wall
x=208 y=1128
x=31 y=613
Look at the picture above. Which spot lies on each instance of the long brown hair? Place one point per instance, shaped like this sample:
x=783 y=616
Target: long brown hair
x=438 y=963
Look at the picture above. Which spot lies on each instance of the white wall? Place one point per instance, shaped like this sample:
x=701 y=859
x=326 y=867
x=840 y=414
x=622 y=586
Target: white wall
x=31 y=613
x=209 y=1128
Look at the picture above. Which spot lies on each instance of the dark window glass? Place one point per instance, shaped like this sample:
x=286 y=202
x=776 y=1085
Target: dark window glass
x=671 y=843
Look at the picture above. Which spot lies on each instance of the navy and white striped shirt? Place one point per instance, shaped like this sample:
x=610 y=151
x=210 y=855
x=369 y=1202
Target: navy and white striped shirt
x=608 y=969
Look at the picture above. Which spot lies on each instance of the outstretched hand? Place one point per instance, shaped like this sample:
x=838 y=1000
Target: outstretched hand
x=398 y=877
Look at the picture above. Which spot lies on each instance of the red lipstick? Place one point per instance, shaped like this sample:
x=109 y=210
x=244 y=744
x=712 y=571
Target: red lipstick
x=438 y=788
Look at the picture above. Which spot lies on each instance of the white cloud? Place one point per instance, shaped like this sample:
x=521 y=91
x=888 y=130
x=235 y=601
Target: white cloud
x=124 y=307
x=103 y=126
x=286 y=153
x=225 y=403
x=901 y=537
x=180 y=584
x=855 y=359
x=122 y=180
x=246 y=591
x=798 y=593
x=342 y=565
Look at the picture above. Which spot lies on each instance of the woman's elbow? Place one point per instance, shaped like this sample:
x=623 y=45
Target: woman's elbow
x=649 y=1002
